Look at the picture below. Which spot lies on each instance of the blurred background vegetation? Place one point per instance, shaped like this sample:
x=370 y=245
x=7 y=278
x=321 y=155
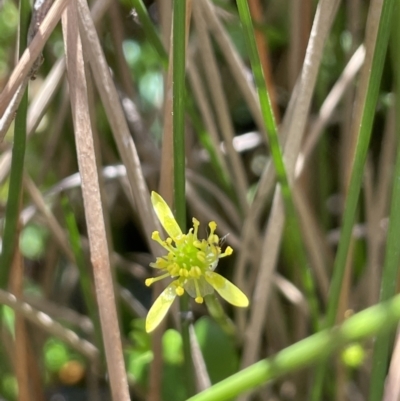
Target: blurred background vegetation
x=336 y=162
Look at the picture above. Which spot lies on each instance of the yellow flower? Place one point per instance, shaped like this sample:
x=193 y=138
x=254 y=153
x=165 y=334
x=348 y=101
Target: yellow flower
x=191 y=262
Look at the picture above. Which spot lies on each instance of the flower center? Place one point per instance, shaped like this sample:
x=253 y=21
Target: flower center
x=189 y=258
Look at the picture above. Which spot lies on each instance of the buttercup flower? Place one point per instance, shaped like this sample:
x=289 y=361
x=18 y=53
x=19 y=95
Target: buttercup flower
x=191 y=262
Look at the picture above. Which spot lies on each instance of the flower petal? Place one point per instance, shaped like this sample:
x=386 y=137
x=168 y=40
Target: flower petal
x=227 y=290
x=203 y=286
x=160 y=308
x=165 y=216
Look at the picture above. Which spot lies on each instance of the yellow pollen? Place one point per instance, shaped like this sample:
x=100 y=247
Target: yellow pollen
x=201 y=256
x=179 y=291
x=199 y=298
x=214 y=239
x=228 y=251
x=173 y=270
x=152 y=280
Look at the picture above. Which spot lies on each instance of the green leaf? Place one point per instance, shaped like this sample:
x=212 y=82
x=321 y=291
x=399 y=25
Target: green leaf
x=173 y=385
x=218 y=350
x=172 y=347
x=33 y=241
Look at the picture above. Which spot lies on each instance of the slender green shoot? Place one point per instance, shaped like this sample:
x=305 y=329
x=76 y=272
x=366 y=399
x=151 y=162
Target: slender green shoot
x=151 y=34
x=178 y=107
x=155 y=41
x=392 y=254
x=17 y=164
x=218 y=314
x=277 y=157
x=357 y=172
x=178 y=100
x=359 y=159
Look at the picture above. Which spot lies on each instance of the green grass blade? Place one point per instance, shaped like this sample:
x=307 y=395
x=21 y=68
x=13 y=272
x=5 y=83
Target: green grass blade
x=178 y=107
x=388 y=288
x=150 y=31
x=359 y=158
x=392 y=254
x=362 y=145
x=17 y=164
x=277 y=157
x=155 y=41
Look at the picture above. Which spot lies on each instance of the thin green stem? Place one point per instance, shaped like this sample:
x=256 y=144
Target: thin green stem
x=392 y=255
x=17 y=164
x=150 y=31
x=359 y=159
x=377 y=319
x=178 y=107
x=216 y=310
x=350 y=209
x=388 y=289
x=155 y=41
x=277 y=157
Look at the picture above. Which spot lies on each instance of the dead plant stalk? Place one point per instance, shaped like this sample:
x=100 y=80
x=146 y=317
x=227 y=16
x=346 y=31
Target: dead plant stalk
x=93 y=207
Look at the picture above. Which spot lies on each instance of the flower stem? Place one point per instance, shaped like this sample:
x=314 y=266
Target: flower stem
x=179 y=111
x=292 y=219
x=17 y=164
x=217 y=312
x=179 y=35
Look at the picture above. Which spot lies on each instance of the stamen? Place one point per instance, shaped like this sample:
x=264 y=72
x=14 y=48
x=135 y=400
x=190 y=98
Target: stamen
x=196 y=224
x=199 y=298
x=195 y=271
x=213 y=227
x=179 y=291
x=152 y=280
x=165 y=244
x=228 y=251
x=197 y=243
x=201 y=256
x=155 y=236
x=168 y=245
x=212 y=240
